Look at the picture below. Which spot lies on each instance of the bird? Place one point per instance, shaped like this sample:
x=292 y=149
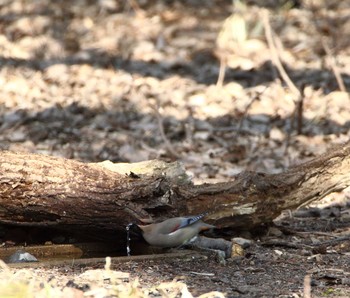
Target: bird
x=174 y=232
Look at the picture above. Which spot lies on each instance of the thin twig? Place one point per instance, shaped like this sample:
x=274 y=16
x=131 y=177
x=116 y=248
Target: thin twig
x=289 y=231
x=275 y=55
x=135 y=6
x=333 y=241
x=330 y=55
x=299 y=111
x=255 y=97
x=190 y=126
x=166 y=141
x=331 y=61
x=222 y=69
x=285 y=243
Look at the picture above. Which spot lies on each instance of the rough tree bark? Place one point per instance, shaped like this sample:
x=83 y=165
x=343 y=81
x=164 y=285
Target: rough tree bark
x=38 y=190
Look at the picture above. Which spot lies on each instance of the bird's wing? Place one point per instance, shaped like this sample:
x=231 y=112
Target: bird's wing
x=173 y=224
x=192 y=219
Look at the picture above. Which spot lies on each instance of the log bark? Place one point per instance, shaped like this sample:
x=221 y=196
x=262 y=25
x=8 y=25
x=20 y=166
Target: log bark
x=38 y=190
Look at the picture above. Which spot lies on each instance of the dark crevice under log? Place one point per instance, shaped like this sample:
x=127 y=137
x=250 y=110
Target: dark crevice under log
x=38 y=190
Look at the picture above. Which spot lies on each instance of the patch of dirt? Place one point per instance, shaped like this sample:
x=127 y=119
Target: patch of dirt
x=138 y=80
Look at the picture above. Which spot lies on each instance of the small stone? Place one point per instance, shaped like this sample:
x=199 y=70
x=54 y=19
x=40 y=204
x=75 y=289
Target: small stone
x=18 y=136
x=21 y=256
x=278 y=252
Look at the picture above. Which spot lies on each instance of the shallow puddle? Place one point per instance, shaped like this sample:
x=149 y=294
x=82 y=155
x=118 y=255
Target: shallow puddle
x=63 y=251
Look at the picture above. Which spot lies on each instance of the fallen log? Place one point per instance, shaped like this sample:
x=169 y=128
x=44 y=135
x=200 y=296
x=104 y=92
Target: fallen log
x=47 y=191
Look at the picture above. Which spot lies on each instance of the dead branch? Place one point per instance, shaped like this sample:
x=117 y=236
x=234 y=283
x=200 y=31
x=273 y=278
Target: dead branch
x=214 y=244
x=38 y=190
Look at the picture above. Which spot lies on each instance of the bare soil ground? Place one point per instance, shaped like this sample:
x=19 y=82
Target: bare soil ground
x=138 y=80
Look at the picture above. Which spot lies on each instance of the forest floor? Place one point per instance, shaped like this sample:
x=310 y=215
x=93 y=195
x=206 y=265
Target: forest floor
x=137 y=80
